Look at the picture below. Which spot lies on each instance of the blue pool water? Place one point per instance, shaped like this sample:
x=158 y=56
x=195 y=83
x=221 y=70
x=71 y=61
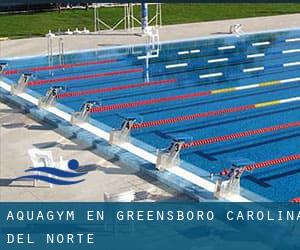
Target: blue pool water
x=237 y=61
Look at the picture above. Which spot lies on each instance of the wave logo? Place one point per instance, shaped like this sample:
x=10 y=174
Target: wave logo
x=55 y=175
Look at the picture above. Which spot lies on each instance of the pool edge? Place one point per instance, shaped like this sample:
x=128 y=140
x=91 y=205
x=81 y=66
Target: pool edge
x=105 y=150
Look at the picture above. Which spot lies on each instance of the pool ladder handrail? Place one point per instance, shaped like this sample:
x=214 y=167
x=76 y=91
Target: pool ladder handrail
x=50 y=50
x=153 y=47
x=61 y=51
x=153 y=40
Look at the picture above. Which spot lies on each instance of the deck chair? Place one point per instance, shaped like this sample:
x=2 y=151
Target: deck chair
x=127 y=196
x=41 y=158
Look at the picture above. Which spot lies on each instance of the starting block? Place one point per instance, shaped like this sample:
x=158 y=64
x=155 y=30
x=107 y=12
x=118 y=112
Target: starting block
x=3 y=65
x=122 y=135
x=50 y=97
x=236 y=29
x=226 y=188
x=170 y=157
x=22 y=84
x=231 y=185
x=84 y=113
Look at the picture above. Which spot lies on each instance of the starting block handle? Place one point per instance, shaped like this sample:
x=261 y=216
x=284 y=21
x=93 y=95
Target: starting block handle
x=127 y=123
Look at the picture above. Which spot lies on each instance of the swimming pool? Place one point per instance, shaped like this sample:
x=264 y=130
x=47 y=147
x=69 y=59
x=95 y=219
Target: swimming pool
x=232 y=98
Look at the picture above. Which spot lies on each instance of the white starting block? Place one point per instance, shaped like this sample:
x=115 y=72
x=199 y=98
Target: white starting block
x=50 y=97
x=227 y=188
x=122 y=135
x=2 y=67
x=236 y=29
x=169 y=157
x=22 y=84
x=84 y=113
x=231 y=185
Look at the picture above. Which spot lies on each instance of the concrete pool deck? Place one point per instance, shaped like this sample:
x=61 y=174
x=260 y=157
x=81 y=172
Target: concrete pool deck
x=38 y=45
x=108 y=177
x=19 y=133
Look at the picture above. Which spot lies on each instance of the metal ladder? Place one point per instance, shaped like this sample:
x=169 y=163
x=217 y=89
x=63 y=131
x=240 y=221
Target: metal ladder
x=61 y=52
x=50 y=53
x=153 y=47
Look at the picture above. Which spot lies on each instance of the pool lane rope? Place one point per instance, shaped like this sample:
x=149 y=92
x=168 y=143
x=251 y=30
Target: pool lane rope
x=65 y=66
x=188 y=96
x=82 y=77
x=116 y=88
x=212 y=113
x=265 y=164
x=234 y=136
x=296 y=200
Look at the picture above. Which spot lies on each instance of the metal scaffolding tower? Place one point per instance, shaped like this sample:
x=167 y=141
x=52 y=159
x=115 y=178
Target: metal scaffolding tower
x=129 y=20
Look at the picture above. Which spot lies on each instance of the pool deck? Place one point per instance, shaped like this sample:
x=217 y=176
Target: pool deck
x=38 y=45
x=106 y=176
x=18 y=133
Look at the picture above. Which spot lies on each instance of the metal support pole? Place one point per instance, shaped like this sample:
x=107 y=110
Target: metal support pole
x=95 y=18
x=128 y=16
x=160 y=15
x=131 y=15
x=144 y=15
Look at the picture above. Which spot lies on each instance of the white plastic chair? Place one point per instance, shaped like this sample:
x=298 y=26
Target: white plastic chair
x=40 y=158
x=50 y=34
x=85 y=31
x=77 y=31
x=69 y=32
x=127 y=196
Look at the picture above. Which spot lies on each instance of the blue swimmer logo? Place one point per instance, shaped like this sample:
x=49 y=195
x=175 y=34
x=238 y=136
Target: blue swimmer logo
x=62 y=174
